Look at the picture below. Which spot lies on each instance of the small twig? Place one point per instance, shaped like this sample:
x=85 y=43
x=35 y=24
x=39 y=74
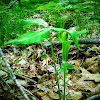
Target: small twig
x=13 y=76
x=80 y=41
x=30 y=94
x=20 y=76
x=24 y=78
x=94 y=97
x=9 y=88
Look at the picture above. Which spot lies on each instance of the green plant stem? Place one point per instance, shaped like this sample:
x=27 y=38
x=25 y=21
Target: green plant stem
x=64 y=97
x=65 y=50
x=55 y=68
x=64 y=60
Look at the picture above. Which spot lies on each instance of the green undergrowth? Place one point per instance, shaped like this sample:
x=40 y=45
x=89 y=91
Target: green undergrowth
x=58 y=13
x=79 y=14
x=10 y=26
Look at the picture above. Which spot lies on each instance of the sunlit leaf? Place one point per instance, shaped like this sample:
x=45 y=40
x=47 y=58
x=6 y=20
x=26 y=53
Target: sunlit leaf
x=74 y=35
x=82 y=32
x=26 y=51
x=43 y=56
x=17 y=61
x=58 y=29
x=62 y=36
x=68 y=66
x=31 y=37
x=50 y=5
x=47 y=44
x=62 y=70
x=38 y=21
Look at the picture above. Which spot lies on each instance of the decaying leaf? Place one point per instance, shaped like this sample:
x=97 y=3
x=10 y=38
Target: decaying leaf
x=73 y=95
x=93 y=64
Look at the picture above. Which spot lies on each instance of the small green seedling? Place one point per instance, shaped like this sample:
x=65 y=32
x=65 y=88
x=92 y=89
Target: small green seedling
x=40 y=35
x=17 y=61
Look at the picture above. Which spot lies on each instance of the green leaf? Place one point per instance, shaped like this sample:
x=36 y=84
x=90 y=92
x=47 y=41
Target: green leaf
x=68 y=66
x=43 y=56
x=17 y=71
x=1 y=63
x=74 y=35
x=38 y=21
x=58 y=29
x=51 y=4
x=82 y=32
x=62 y=36
x=47 y=44
x=26 y=51
x=62 y=70
x=31 y=37
x=17 y=61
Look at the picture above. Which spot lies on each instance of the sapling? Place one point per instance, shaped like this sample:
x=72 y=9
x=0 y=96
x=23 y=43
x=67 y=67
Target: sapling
x=39 y=35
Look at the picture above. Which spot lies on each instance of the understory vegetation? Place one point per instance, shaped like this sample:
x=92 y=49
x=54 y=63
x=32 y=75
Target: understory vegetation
x=49 y=49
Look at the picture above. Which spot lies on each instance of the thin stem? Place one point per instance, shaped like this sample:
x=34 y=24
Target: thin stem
x=65 y=50
x=64 y=98
x=55 y=68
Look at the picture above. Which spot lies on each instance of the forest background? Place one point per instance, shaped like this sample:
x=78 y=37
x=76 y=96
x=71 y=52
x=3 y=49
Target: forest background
x=68 y=14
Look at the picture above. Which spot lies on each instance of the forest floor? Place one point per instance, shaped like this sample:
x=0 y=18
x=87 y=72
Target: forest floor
x=35 y=62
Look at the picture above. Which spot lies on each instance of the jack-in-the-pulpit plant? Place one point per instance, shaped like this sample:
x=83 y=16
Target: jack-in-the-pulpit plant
x=39 y=35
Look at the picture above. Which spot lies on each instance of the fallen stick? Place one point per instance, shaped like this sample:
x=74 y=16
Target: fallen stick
x=94 y=97
x=88 y=41
x=80 y=40
x=9 y=88
x=13 y=76
x=19 y=76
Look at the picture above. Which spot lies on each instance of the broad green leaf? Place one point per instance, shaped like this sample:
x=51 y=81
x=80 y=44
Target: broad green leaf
x=38 y=21
x=62 y=70
x=68 y=66
x=31 y=37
